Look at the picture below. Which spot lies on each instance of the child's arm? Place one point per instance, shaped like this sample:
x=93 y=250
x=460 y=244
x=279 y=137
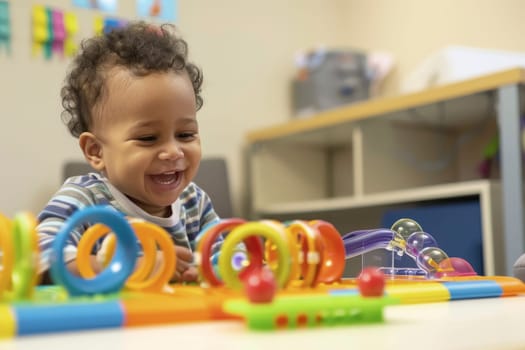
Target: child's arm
x=95 y=265
x=47 y=231
x=66 y=201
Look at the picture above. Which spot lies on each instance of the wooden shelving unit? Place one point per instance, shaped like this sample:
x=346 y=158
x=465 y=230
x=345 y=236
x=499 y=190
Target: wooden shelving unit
x=394 y=151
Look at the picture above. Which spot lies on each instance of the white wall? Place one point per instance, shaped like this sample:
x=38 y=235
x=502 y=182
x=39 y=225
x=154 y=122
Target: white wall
x=414 y=29
x=245 y=48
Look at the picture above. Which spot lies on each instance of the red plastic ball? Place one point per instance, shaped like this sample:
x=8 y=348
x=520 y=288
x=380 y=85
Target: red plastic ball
x=371 y=282
x=260 y=285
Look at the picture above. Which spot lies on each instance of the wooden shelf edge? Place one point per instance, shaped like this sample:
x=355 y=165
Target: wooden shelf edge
x=452 y=190
x=380 y=106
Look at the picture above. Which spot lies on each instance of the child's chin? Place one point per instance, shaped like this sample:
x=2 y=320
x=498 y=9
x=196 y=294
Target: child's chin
x=166 y=203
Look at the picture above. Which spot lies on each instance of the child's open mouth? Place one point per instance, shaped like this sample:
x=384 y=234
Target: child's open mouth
x=166 y=179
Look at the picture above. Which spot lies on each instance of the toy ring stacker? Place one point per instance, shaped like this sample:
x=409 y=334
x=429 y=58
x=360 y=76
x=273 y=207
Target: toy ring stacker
x=6 y=246
x=333 y=258
x=253 y=246
x=25 y=249
x=240 y=233
x=111 y=279
x=96 y=232
x=310 y=249
x=272 y=257
x=149 y=235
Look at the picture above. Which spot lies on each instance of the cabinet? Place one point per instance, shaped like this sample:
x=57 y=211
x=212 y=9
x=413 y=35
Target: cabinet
x=353 y=164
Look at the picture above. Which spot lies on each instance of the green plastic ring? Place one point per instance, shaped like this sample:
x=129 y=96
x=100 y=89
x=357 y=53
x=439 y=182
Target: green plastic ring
x=240 y=233
x=24 y=274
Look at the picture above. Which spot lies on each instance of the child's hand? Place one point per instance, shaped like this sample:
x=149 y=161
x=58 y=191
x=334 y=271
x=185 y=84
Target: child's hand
x=185 y=271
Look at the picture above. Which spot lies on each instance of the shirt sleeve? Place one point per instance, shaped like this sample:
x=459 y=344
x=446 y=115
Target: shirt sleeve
x=69 y=198
x=208 y=217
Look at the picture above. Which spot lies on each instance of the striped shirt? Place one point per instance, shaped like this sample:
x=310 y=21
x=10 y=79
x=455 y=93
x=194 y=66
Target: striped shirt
x=190 y=213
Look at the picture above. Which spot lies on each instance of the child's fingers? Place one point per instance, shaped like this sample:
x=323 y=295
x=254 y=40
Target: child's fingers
x=182 y=265
x=176 y=277
x=185 y=270
x=183 y=254
x=190 y=275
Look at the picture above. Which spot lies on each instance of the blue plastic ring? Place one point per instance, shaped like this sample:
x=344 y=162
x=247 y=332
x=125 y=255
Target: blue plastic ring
x=112 y=279
x=204 y=229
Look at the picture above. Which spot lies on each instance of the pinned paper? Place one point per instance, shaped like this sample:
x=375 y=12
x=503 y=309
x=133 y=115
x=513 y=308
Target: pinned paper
x=102 y=5
x=71 y=27
x=104 y=25
x=98 y=25
x=164 y=10
x=53 y=32
x=5 y=27
x=41 y=33
x=113 y=23
x=59 y=32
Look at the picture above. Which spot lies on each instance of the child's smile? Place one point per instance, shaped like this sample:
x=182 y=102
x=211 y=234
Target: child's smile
x=167 y=181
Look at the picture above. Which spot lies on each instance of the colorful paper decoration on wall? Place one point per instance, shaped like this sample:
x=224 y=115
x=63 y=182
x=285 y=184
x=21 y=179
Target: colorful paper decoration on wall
x=102 y=5
x=5 y=27
x=41 y=32
x=98 y=25
x=71 y=26
x=112 y=23
x=53 y=32
x=164 y=10
x=59 y=31
x=103 y=25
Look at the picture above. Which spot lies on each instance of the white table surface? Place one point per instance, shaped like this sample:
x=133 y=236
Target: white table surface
x=496 y=323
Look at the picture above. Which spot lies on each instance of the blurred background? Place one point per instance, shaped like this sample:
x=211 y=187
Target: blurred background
x=249 y=53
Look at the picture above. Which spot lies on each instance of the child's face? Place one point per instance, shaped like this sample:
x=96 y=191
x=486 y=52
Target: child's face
x=147 y=134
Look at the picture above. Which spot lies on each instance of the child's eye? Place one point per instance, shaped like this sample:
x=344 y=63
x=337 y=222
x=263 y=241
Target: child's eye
x=186 y=136
x=149 y=138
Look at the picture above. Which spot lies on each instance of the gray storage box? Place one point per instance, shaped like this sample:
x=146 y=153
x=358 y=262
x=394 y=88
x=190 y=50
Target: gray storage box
x=330 y=79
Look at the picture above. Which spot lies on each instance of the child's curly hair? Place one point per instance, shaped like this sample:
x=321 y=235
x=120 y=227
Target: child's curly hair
x=140 y=47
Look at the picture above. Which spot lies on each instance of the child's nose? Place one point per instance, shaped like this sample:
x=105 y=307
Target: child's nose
x=171 y=151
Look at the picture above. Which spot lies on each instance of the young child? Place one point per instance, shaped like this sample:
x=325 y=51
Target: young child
x=131 y=99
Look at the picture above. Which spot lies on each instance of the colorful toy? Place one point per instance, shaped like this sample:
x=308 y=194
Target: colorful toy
x=150 y=237
x=310 y=311
x=288 y=275
x=112 y=279
x=260 y=285
x=407 y=236
x=371 y=282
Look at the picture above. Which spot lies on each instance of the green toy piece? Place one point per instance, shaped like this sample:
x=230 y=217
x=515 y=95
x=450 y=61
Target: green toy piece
x=296 y=311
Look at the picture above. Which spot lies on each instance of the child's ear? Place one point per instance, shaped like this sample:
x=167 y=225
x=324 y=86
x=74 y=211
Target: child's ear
x=92 y=150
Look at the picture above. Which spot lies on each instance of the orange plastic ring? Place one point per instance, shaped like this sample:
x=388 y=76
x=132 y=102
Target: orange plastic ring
x=88 y=239
x=162 y=276
x=333 y=259
x=6 y=245
x=93 y=234
x=150 y=235
x=271 y=250
x=310 y=249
